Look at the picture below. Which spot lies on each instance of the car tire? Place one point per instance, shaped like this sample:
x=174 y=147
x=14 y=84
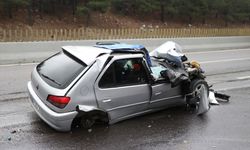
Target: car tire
x=87 y=122
x=195 y=85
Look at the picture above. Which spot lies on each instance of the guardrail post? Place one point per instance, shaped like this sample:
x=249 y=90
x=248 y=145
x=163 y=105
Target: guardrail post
x=77 y=33
x=60 y=33
x=136 y=33
x=30 y=35
x=10 y=37
x=55 y=32
x=15 y=35
x=73 y=34
x=106 y=34
x=167 y=33
x=70 y=37
x=37 y=35
x=4 y=35
x=129 y=33
x=174 y=33
x=26 y=35
x=118 y=33
x=125 y=33
x=82 y=33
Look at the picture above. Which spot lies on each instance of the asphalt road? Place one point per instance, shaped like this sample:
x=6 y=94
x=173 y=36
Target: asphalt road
x=224 y=127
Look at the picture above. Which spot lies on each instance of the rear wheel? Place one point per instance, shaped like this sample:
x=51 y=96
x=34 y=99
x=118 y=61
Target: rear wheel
x=87 y=122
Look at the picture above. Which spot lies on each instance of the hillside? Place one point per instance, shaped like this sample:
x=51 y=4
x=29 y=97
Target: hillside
x=100 y=20
x=123 y=13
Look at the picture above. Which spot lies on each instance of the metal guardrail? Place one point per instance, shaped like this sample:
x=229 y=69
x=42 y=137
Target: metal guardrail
x=22 y=35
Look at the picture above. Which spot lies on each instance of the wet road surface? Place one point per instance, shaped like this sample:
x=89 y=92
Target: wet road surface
x=224 y=127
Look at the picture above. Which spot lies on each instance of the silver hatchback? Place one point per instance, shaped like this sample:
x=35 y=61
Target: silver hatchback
x=80 y=85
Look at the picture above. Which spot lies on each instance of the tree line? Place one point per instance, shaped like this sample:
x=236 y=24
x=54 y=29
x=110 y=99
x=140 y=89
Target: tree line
x=188 y=11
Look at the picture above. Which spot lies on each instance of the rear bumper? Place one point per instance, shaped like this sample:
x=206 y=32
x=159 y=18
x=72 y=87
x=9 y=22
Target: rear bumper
x=58 y=121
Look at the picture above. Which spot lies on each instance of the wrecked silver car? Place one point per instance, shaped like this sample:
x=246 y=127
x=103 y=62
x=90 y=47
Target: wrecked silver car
x=112 y=81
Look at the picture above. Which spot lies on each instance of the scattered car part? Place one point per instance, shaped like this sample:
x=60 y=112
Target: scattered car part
x=212 y=99
x=203 y=106
x=222 y=96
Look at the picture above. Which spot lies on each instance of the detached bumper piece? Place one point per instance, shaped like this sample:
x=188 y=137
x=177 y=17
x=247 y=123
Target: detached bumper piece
x=221 y=96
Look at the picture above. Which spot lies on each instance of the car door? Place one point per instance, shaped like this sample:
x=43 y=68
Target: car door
x=163 y=95
x=122 y=88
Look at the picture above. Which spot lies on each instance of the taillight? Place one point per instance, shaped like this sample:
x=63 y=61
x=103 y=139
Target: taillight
x=58 y=101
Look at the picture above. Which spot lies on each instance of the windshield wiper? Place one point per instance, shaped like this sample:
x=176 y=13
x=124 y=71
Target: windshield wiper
x=54 y=81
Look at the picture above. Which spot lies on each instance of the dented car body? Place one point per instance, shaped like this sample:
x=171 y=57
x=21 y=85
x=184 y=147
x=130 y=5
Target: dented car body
x=108 y=82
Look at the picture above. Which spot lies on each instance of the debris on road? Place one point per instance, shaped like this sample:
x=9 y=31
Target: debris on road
x=89 y=130
x=14 y=131
x=212 y=99
x=221 y=96
x=214 y=96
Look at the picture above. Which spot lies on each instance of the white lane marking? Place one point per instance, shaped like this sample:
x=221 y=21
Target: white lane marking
x=243 y=78
x=233 y=88
x=218 y=51
x=106 y=100
x=224 y=60
x=13 y=65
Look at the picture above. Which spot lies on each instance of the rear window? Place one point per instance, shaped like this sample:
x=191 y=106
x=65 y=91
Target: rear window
x=60 y=70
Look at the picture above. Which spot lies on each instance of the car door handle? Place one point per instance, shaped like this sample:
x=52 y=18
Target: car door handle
x=106 y=100
x=158 y=93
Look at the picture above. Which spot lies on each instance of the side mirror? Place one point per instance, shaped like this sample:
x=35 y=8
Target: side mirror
x=184 y=58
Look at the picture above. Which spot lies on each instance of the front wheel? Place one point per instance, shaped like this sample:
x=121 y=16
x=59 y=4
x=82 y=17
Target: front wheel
x=195 y=88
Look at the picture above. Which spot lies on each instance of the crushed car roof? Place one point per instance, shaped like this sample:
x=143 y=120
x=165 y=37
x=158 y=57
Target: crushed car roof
x=119 y=46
